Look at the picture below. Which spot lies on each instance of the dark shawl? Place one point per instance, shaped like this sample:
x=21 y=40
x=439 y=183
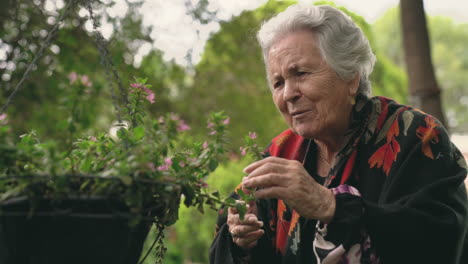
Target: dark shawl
x=399 y=189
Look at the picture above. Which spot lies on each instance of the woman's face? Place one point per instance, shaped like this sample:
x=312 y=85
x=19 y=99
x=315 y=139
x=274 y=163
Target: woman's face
x=313 y=100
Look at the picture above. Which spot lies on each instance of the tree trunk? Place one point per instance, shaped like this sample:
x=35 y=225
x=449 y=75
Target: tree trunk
x=423 y=87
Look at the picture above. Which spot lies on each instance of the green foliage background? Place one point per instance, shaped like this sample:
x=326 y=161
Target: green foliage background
x=229 y=77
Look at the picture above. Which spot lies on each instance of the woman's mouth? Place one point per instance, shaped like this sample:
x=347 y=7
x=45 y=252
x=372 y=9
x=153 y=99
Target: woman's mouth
x=299 y=114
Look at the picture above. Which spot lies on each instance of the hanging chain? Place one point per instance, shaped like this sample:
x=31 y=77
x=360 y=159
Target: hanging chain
x=160 y=248
x=109 y=66
x=159 y=242
x=50 y=35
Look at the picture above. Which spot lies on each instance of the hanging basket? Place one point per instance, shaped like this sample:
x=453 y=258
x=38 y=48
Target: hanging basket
x=76 y=229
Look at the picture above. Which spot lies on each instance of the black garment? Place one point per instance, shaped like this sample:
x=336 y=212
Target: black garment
x=400 y=197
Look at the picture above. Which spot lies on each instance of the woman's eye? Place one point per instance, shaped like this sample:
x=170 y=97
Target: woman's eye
x=300 y=73
x=278 y=84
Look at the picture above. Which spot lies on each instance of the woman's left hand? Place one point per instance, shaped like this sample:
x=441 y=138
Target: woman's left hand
x=289 y=181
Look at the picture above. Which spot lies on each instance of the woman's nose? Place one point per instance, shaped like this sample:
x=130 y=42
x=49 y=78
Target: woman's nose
x=291 y=91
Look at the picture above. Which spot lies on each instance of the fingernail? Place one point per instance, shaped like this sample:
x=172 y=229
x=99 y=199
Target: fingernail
x=246 y=183
x=260 y=223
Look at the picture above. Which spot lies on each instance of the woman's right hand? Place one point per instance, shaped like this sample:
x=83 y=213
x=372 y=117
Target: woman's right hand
x=245 y=233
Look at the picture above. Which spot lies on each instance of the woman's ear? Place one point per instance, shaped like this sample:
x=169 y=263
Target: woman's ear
x=353 y=85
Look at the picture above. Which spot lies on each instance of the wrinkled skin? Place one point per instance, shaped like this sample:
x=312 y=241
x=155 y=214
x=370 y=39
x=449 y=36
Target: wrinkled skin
x=315 y=103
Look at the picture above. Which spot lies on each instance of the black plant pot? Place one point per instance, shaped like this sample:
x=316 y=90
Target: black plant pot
x=80 y=230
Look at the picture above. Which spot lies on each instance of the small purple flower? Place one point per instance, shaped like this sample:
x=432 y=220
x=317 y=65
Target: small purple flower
x=168 y=161
x=4 y=119
x=85 y=81
x=226 y=121
x=167 y=164
x=213 y=132
x=210 y=125
x=202 y=184
x=205 y=145
x=175 y=117
x=243 y=151
x=72 y=77
x=150 y=96
x=183 y=126
x=163 y=167
x=93 y=138
x=252 y=135
x=151 y=166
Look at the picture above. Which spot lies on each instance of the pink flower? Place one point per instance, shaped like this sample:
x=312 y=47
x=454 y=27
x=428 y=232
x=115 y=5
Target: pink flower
x=150 y=96
x=213 y=132
x=161 y=119
x=210 y=125
x=151 y=166
x=183 y=126
x=175 y=117
x=93 y=138
x=72 y=77
x=163 y=167
x=182 y=164
x=85 y=81
x=202 y=184
x=243 y=151
x=167 y=164
x=168 y=161
x=226 y=121
x=252 y=135
x=205 y=145
x=4 y=119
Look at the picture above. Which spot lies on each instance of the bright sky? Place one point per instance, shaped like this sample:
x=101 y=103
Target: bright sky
x=176 y=33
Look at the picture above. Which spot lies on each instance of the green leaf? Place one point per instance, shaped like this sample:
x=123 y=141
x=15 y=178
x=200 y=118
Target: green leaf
x=230 y=200
x=127 y=180
x=86 y=165
x=241 y=209
x=241 y=194
x=138 y=132
x=213 y=165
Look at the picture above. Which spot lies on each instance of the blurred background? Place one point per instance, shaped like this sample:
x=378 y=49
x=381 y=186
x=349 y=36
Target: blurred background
x=202 y=56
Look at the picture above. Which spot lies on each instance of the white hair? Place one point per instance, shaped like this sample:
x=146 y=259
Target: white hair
x=342 y=44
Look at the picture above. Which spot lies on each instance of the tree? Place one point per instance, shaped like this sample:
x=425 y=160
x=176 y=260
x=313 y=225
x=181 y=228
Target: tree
x=424 y=90
x=449 y=55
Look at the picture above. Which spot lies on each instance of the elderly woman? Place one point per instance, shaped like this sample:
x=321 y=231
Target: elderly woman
x=355 y=179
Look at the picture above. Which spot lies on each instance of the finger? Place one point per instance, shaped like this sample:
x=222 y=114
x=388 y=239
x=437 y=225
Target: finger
x=232 y=210
x=245 y=189
x=268 y=167
x=252 y=245
x=249 y=219
x=250 y=239
x=243 y=230
x=267 y=180
x=259 y=163
x=252 y=207
x=277 y=192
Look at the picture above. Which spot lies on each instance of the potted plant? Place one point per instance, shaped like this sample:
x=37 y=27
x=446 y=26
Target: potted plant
x=95 y=200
